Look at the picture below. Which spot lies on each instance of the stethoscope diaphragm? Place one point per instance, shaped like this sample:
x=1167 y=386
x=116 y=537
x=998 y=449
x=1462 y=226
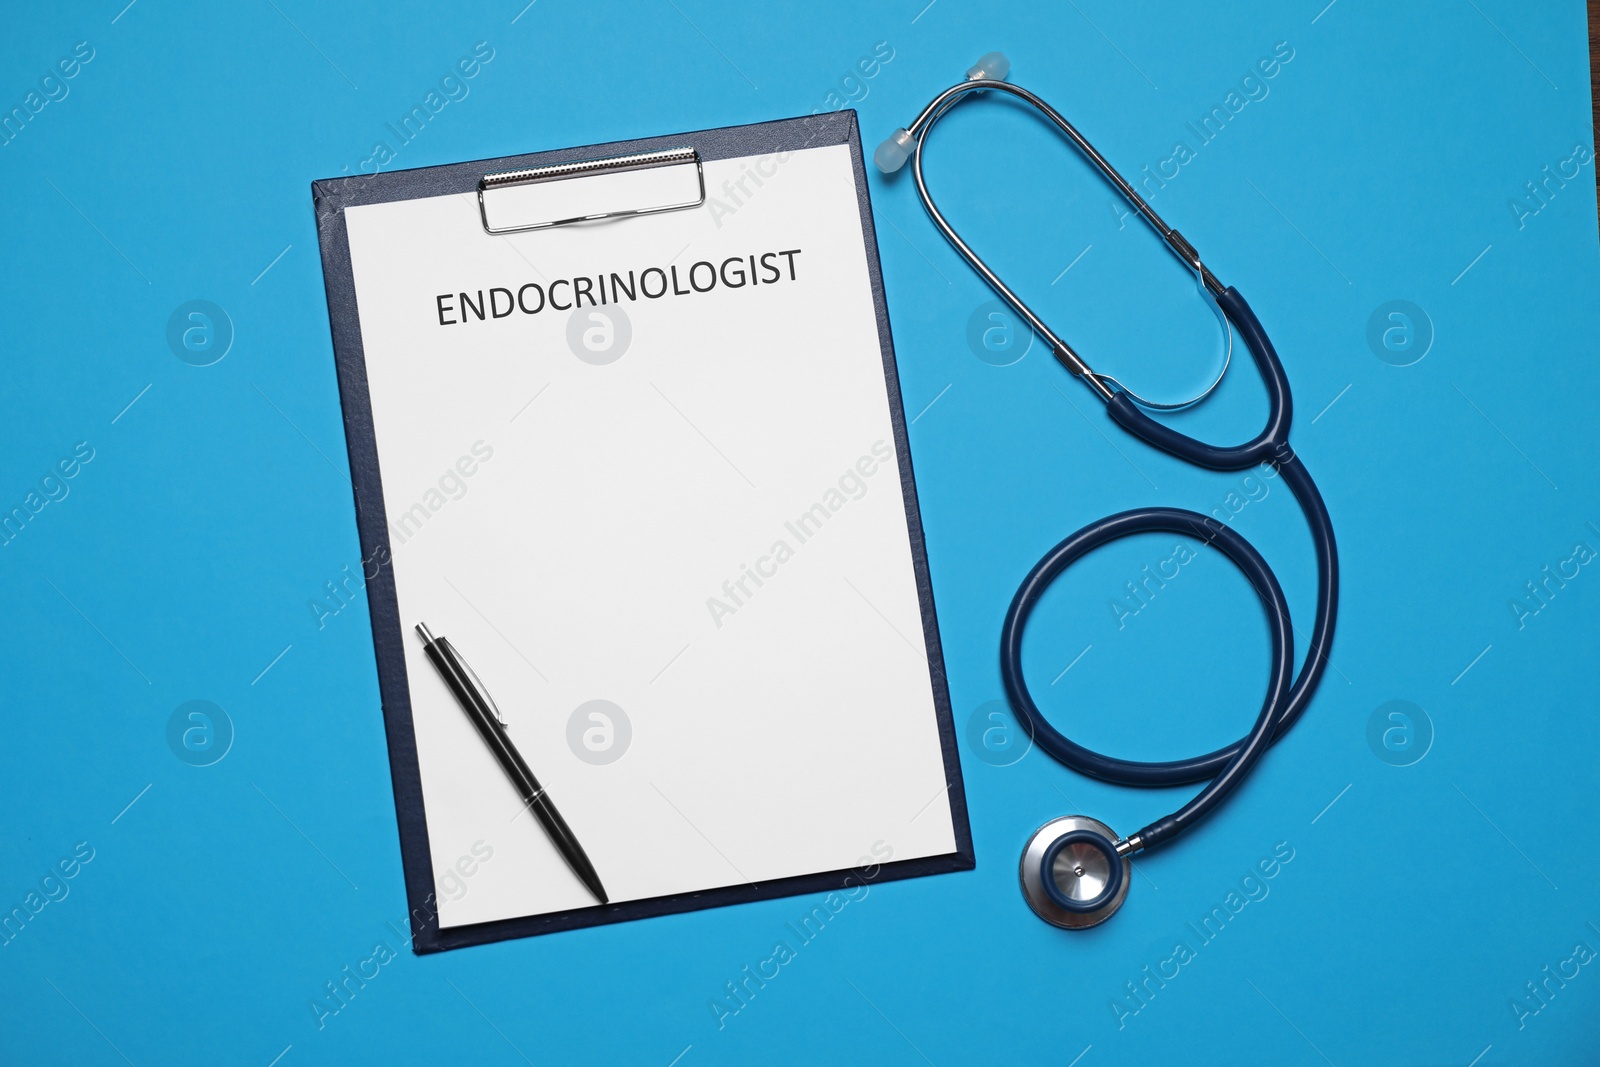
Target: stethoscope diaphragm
x=1072 y=874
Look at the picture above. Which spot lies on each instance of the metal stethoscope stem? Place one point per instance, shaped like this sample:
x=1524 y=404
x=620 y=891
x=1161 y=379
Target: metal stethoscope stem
x=1073 y=869
x=980 y=80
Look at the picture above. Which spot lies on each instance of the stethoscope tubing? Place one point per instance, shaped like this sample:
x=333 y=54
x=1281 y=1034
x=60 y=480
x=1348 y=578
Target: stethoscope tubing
x=1272 y=446
x=1285 y=702
x=1240 y=756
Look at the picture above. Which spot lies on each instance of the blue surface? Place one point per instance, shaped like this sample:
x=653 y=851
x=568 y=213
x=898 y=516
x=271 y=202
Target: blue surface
x=1380 y=165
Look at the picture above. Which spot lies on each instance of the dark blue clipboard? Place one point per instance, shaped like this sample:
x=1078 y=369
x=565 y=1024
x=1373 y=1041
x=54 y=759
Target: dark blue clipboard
x=331 y=196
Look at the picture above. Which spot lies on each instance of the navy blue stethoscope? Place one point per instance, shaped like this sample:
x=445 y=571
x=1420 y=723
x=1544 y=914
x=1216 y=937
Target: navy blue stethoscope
x=1075 y=871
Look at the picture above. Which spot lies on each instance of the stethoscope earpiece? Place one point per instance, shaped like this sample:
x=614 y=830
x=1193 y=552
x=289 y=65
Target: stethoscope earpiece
x=1073 y=873
x=895 y=149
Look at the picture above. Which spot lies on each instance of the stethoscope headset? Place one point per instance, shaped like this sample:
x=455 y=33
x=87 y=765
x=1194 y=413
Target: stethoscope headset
x=1075 y=870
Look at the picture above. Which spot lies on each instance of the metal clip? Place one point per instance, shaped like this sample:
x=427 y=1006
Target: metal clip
x=483 y=690
x=569 y=206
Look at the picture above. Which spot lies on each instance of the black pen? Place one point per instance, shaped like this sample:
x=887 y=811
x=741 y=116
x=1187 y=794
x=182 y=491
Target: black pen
x=475 y=701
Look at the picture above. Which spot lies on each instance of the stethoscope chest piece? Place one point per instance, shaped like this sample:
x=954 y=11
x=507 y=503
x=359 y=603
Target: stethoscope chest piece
x=1072 y=874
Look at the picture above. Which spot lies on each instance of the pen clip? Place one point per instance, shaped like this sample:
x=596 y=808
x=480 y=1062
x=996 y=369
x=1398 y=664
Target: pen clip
x=477 y=682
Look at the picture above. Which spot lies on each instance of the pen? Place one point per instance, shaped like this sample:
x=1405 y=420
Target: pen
x=475 y=701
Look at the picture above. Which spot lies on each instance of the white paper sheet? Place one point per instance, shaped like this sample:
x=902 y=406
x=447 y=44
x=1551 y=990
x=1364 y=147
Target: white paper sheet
x=608 y=503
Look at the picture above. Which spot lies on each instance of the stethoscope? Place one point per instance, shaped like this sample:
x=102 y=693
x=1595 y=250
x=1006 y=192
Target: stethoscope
x=1075 y=871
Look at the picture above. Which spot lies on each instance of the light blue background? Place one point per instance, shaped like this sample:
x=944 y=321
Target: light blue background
x=1380 y=166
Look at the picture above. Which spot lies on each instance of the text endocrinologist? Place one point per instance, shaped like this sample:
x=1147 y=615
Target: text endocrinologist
x=564 y=294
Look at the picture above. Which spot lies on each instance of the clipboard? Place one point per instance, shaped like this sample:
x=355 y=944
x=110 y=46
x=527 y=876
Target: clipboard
x=723 y=187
